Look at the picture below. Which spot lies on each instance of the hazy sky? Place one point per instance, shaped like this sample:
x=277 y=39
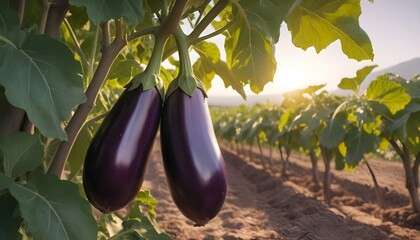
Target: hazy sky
x=393 y=28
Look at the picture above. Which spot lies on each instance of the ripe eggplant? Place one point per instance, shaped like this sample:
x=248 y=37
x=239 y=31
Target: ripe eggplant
x=194 y=166
x=117 y=158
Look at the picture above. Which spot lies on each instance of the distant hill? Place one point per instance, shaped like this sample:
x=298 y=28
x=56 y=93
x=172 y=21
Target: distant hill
x=405 y=69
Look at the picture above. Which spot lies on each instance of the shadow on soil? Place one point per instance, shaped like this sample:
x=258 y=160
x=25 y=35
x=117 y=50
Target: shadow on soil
x=306 y=218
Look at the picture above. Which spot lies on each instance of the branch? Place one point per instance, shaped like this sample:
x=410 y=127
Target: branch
x=171 y=23
x=56 y=13
x=203 y=7
x=143 y=32
x=193 y=38
x=45 y=7
x=106 y=37
x=215 y=33
x=220 y=5
x=109 y=53
x=397 y=148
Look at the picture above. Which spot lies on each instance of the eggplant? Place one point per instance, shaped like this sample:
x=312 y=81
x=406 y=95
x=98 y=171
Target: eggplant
x=116 y=161
x=194 y=166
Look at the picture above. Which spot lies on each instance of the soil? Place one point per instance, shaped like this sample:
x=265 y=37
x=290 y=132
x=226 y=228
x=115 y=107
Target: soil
x=262 y=205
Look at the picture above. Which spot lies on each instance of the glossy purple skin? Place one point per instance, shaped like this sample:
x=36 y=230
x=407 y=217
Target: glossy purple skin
x=194 y=166
x=117 y=158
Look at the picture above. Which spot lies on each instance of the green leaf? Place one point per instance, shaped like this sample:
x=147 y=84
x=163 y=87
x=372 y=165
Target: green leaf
x=229 y=78
x=43 y=79
x=331 y=136
x=204 y=67
x=204 y=70
x=267 y=15
x=78 y=17
x=103 y=10
x=144 y=197
x=209 y=50
x=52 y=208
x=139 y=229
x=19 y=153
x=9 y=217
x=284 y=120
x=320 y=23
x=124 y=68
x=389 y=93
x=354 y=83
x=359 y=143
x=249 y=52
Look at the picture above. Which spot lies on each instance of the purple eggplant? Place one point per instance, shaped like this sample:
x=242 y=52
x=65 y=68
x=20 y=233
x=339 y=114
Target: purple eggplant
x=194 y=166
x=117 y=158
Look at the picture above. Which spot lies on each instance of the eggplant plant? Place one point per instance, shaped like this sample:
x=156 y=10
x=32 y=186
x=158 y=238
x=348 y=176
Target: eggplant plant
x=64 y=63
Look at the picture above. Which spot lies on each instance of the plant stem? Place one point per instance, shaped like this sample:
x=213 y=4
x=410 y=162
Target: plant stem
x=45 y=7
x=193 y=38
x=56 y=13
x=94 y=46
x=201 y=9
x=146 y=31
x=218 y=7
x=21 y=10
x=378 y=192
x=185 y=67
x=77 y=44
x=109 y=53
x=215 y=33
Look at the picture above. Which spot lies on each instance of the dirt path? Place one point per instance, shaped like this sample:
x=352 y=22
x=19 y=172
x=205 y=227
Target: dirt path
x=260 y=206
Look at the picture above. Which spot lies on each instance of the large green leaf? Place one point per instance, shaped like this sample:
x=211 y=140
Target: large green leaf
x=9 y=217
x=267 y=15
x=249 y=51
x=204 y=70
x=331 y=136
x=354 y=83
x=229 y=78
x=42 y=78
x=209 y=50
x=359 y=143
x=320 y=23
x=103 y=10
x=204 y=67
x=389 y=93
x=52 y=208
x=19 y=153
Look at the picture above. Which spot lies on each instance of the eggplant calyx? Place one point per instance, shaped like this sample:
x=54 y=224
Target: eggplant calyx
x=185 y=80
x=150 y=77
x=148 y=81
x=187 y=84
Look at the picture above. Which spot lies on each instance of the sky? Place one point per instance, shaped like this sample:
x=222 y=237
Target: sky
x=393 y=28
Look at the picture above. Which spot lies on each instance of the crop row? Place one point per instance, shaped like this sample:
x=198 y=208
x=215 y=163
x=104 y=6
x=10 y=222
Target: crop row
x=383 y=119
